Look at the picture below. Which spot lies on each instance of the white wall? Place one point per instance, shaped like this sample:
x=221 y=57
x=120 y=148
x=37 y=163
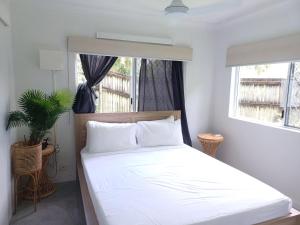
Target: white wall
x=6 y=93
x=269 y=154
x=44 y=24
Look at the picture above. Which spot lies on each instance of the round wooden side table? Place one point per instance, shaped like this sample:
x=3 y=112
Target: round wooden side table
x=46 y=186
x=210 y=142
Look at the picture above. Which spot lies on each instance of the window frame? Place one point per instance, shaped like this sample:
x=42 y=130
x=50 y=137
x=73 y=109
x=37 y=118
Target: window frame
x=288 y=96
x=235 y=84
x=134 y=73
x=133 y=85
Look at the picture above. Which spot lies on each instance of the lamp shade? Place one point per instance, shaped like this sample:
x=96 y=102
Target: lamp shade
x=51 y=60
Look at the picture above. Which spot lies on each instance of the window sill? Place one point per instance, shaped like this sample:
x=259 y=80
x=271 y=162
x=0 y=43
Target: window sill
x=281 y=127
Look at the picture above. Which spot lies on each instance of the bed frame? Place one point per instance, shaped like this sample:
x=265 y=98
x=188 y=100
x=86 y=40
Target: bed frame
x=80 y=136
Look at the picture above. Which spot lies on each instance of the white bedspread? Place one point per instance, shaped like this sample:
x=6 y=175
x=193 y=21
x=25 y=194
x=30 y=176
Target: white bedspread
x=176 y=186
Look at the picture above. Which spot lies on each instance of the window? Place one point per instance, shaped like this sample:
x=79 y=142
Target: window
x=268 y=93
x=118 y=91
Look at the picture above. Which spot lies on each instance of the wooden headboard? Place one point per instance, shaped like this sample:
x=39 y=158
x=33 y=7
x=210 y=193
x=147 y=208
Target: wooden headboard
x=131 y=117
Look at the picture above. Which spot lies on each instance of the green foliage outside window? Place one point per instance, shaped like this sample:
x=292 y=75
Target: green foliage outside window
x=122 y=65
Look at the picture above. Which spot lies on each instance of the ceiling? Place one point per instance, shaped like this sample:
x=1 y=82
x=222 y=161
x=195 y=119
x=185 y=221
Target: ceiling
x=209 y=11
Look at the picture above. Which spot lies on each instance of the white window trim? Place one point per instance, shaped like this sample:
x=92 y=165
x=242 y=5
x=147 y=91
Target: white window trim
x=133 y=84
x=265 y=124
x=288 y=96
x=234 y=90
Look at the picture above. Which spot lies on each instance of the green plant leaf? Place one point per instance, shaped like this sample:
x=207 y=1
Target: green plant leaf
x=16 y=119
x=40 y=112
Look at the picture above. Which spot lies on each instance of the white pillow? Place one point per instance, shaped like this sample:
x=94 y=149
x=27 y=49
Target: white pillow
x=159 y=133
x=169 y=119
x=107 y=137
x=179 y=131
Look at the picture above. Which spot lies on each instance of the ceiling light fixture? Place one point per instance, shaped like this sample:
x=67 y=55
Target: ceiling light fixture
x=176 y=7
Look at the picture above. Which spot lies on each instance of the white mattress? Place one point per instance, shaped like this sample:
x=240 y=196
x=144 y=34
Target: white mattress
x=176 y=186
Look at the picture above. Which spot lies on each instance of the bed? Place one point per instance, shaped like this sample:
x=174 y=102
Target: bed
x=156 y=186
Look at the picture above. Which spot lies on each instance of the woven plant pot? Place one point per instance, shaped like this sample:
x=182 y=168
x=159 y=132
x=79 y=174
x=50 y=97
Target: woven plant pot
x=26 y=159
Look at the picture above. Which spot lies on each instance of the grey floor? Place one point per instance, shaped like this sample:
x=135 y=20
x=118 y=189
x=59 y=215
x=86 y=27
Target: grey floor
x=62 y=208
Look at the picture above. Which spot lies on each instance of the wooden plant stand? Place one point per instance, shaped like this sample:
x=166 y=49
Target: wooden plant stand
x=46 y=186
x=27 y=162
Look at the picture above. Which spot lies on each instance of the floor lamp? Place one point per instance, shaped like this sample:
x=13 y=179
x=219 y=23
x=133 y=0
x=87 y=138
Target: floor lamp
x=52 y=61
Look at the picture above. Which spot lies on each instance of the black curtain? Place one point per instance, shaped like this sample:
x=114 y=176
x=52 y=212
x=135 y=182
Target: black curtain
x=155 y=86
x=179 y=102
x=95 y=68
x=161 y=88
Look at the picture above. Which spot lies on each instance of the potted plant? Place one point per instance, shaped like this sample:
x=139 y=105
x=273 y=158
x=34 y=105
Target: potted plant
x=39 y=112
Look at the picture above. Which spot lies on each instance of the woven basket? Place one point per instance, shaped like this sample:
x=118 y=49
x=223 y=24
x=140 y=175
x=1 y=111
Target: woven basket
x=26 y=159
